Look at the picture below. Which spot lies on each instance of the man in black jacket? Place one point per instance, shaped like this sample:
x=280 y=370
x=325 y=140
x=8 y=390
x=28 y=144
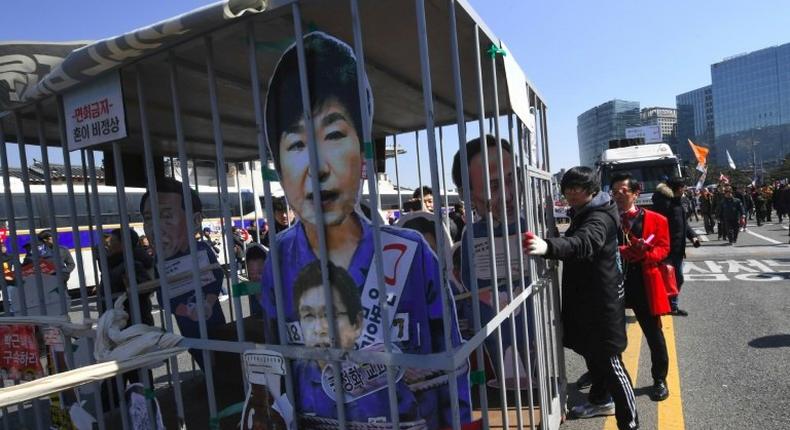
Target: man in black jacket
x=593 y=307
x=730 y=213
x=667 y=202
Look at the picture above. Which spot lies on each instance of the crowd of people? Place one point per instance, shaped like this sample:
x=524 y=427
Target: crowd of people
x=726 y=210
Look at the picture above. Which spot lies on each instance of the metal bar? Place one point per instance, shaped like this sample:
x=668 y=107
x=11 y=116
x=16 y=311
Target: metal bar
x=255 y=199
x=105 y=278
x=419 y=165
x=91 y=229
x=241 y=210
x=224 y=203
x=175 y=373
x=448 y=314
x=397 y=174
x=468 y=238
x=274 y=249
x=68 y=353
x=315 y=164
x=14 y=248
x=128 y=257
x=34 y=242
x=444 y=192
x=489 y=217
x=34 y=245
x=378 y=259
x=506 y=234
x=97 y=398
x=523 y=268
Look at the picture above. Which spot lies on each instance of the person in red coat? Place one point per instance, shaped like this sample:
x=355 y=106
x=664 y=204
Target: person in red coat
x=644 y=243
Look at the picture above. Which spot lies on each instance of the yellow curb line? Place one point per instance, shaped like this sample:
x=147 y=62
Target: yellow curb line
x=670 y=411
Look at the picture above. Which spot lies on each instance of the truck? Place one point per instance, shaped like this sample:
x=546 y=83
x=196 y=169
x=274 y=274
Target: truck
x=651 y=164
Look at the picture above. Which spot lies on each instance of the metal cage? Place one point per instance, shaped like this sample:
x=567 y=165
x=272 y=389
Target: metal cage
x=194 y=89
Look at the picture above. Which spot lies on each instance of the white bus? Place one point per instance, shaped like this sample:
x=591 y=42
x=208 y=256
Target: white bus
x=650 y=164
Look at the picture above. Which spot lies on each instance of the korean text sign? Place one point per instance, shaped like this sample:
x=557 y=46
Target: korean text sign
x=95 y=113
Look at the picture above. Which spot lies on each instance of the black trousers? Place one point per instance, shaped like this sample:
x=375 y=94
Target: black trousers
x=710 y=223
x=731 y=229
x=610 y=378
x=636 y=298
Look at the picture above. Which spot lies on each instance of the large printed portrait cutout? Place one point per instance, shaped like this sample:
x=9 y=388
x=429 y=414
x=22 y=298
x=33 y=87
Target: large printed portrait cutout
x=411 y=273
x=174 y=238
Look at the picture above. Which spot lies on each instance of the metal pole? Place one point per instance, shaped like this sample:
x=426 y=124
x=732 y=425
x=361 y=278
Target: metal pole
x=419 y=165
x=489 y=219
x=446 y=213
x=506 y=234
x=106 y=278
x=153 y=197
x=378 y=258
x=128 y=257
x=97 y=398
x=523 y=268
x=397 y=174
x=315 y=164
x=224 y=203
x=468 y=238
x=448 y=314
x=274 y=249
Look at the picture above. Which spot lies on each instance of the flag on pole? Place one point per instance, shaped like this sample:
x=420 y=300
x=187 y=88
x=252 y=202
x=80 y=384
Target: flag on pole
x=701 y=180
x=723 y=178
x=700 y=152
x=729 y=160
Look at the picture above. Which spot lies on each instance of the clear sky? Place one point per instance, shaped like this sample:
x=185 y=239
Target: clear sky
x=578 y=53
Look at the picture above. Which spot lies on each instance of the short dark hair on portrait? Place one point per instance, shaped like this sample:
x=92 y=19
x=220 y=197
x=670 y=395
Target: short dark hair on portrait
x=583 y=177
x=331 y=76
x=170 y=185
x=422 y=191
x=633 y=184
x=339 y=280
x=676 y=183
x=473 y=148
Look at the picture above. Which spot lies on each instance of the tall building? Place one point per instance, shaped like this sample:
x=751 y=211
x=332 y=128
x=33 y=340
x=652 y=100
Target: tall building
x=751 y=107
x=695 y=122
x=597 y=126
x=666 y=119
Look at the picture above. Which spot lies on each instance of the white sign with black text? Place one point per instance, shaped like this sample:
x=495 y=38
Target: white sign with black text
x=95 y=113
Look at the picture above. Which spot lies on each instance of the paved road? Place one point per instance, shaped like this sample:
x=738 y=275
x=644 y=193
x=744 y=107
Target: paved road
x=730 y=358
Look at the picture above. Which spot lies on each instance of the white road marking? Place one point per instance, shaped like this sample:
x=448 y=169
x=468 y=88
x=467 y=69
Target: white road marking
x=767 y=239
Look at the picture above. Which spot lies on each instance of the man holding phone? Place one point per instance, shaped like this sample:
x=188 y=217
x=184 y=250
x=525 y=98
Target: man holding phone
x=644 y=243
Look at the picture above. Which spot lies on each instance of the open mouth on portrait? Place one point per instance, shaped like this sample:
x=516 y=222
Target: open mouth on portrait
x=327 y=197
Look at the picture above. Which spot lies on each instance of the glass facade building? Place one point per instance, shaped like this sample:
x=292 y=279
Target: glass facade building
x=666 y=119
x=597 y=126
x=695 y=122
x=751 y=107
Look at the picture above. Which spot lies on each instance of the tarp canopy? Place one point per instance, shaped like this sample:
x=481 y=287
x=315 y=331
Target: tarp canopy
x=34 y=72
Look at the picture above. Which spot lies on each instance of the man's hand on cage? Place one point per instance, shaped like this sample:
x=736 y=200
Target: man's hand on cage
x=534 y=244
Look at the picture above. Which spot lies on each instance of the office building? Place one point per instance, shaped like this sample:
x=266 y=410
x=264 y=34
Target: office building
x=751 y=107
x=666 y=118
x=695 y=122
x=602 y=123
